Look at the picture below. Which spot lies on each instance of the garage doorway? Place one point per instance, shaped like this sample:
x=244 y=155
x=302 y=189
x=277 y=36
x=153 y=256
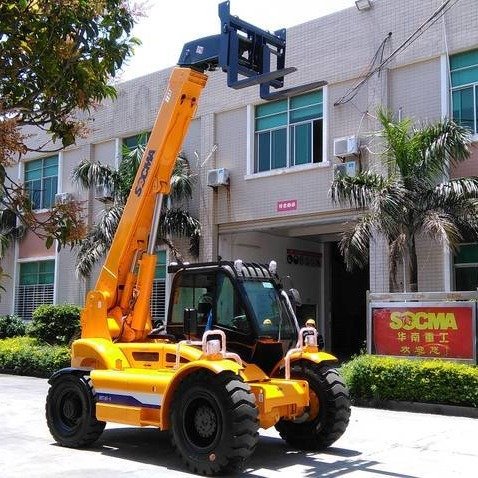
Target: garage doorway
x=348 y=306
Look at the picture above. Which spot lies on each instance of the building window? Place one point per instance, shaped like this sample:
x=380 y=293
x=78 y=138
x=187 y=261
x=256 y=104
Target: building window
x=464 y=82
x=41 y=181
x=35 y=287
x=132 y=142
x=466 y=267
x=158 y=297
x=288 y=132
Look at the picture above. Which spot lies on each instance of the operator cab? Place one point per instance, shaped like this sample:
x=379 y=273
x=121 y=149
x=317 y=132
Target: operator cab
x=244 y=300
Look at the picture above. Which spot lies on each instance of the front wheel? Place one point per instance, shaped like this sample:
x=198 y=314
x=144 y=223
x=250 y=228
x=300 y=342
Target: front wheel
x=214 y=422
x=328 y=414
x=70 y=411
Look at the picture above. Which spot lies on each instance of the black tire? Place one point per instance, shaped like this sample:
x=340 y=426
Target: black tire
x=329 y=414
x=214 y=422
x=70 y=411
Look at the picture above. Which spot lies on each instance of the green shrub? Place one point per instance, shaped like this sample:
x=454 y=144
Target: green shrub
x=27 y=356
x=11 y=326
x=55 y=324
x=372 y=378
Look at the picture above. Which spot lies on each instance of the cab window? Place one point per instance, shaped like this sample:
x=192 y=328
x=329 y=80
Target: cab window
x=193 y=291
x=230 y=313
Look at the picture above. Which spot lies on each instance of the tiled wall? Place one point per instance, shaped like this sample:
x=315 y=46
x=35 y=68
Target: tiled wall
x=337 y=48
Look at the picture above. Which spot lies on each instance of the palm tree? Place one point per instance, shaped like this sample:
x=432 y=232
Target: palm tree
x=175 y=221
x=413 y=198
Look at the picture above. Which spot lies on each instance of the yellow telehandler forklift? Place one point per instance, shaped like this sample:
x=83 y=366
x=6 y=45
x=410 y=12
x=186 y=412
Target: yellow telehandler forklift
x=232 y=358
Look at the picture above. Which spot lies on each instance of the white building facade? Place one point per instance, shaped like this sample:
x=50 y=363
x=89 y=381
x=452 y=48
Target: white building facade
x=403 y=55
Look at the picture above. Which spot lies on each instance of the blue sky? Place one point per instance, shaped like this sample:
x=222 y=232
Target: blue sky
x=169 y=24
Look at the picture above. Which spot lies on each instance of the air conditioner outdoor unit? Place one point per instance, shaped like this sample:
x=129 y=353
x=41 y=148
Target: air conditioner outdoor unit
x=346 y=146
x=62 y=198
x=349 y=168
x=218 y=177
x=103 y=194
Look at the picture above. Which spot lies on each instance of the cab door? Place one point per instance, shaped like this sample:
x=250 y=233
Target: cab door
x=191 y=290
x=231 y=316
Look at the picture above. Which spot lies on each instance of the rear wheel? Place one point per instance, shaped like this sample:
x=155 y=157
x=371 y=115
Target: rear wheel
x=214 y=422
x=328 y=414
x=70 y=411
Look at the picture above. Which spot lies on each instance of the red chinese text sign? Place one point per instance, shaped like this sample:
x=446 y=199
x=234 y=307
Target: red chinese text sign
x=424 y=331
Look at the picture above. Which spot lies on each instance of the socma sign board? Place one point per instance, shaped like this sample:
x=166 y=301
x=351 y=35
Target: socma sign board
x=426 y=329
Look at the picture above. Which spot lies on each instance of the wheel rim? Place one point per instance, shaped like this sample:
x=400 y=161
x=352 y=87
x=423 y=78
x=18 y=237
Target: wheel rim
x=314 y=404
x=201 y=423
x=70 y=410
x=312 y=411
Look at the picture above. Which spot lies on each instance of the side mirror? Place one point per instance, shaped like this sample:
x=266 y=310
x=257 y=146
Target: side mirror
x=294 y=297
x=190 y=322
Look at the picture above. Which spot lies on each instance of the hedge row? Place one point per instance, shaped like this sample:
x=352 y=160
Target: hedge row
x=53 y=324
x=28 y=356
x=374 y=379
x=370 y=379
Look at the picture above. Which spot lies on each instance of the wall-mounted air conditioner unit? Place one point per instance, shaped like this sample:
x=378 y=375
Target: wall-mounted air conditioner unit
x=62 y=198
x=349 y=168
x=218 y=177
x=103 y=194
x=346 y=146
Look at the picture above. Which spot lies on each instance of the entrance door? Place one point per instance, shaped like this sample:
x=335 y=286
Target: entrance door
x=348 y=306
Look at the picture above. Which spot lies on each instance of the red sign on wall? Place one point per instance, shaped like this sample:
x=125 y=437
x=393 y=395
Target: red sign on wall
x=425 y=330
x=288 y=205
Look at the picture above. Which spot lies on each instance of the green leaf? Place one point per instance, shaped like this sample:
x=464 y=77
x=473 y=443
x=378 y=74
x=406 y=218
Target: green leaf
x=49 y=242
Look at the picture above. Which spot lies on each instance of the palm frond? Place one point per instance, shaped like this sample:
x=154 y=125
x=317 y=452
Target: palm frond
x=109 y=218
x=441 y=227
x=356 y=191
x=397 y=249
x=90 y=173
x=173 y=249
x=179 y=223
x=98 y=240
x=397 y=137
x=440 y=145
x=194 y=242
x=456 y=189
x=90 y=253
x=130 y=161
x=456 y=200
x=391 y=205
x=465 y=215
x=354 y=244
x=182 y=180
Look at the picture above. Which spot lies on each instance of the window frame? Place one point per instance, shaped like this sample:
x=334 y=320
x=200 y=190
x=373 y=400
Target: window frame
x=36 y=289
x=38 y=272
x=251 y=140
x=463 y=265
x=42 y=206
x=135 y=139
x=225 y=278
x=474 y=87
x=464 y=86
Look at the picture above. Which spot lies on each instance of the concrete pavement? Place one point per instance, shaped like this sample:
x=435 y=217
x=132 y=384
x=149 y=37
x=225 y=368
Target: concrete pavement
x=377 y=443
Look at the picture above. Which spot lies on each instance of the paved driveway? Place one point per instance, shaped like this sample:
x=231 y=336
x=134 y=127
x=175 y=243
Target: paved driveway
x=378 y=443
